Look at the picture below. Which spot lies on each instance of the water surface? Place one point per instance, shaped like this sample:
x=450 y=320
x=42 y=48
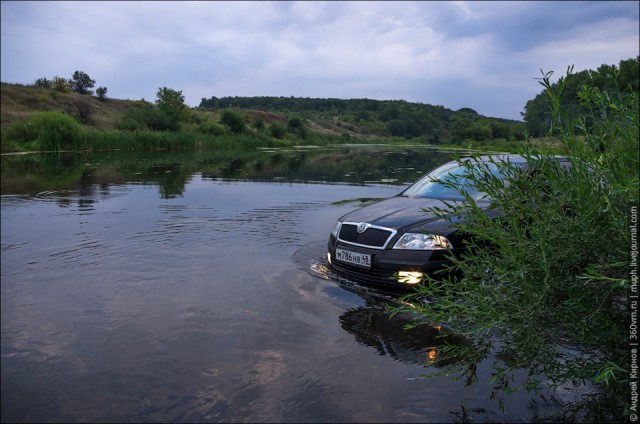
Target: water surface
x=192 y=287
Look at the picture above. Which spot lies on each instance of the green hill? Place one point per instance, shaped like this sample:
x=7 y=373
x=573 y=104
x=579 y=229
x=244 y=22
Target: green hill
x=21 y=102
x=382 y=118
x=292 y=120
x=355 y=118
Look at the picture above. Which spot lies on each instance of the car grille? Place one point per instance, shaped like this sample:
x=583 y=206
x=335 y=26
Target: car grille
x=366 y=276
x=375 y=237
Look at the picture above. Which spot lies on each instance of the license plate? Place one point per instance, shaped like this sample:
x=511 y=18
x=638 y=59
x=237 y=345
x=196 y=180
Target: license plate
x=358 y=259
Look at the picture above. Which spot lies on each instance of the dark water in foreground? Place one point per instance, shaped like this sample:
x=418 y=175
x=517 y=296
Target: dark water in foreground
x=193 y=288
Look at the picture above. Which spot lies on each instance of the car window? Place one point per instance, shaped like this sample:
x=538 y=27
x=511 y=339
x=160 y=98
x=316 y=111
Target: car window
x=431 y=184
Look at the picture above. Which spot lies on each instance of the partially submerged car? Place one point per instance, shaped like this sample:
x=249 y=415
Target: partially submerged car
x=394 y=242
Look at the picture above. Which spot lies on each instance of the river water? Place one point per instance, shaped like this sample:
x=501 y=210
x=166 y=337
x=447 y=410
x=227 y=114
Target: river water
x=193 y=288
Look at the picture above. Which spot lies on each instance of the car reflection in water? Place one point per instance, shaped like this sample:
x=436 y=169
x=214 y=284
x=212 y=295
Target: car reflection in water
x=372 y=326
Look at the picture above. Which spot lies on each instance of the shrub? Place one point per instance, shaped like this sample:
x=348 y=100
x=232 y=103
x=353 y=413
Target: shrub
x=129 y=122
x=83 y=110
x=208 y=127
x=60 y=84
x=277 y=130
x=42 y=82
x=22 y=131
x=258 y=123
x=296 y=126
x=233 y=121
x=56 y=131
x=148 y=118
x=544 y=287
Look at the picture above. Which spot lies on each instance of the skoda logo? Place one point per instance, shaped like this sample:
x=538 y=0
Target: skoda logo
x=362 y=227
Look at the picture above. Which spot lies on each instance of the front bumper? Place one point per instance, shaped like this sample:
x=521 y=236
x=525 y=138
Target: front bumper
x=386 y=264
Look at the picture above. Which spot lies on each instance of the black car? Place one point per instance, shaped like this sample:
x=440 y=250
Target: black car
x=394 y=242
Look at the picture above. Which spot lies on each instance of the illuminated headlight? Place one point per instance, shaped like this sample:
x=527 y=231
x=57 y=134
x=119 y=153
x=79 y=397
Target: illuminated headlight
x=409 y=277
x=336 y=228
x=418 y=241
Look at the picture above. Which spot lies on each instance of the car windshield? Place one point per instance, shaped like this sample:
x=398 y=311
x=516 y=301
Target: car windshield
x=431 y=184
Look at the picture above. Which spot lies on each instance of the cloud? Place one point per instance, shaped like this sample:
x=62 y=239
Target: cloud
x=482 y=55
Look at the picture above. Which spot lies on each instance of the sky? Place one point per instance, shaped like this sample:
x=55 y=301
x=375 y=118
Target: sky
x=481 y=55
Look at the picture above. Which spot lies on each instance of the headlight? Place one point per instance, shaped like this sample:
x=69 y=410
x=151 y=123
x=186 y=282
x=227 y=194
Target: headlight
x=336 y=229
x=418 y=241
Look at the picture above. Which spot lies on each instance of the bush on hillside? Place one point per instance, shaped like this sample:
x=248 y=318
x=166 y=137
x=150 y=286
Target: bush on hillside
x=233 y=121
x=52 y=130
x=210 y=128
x=149 y=118
x=277 y=130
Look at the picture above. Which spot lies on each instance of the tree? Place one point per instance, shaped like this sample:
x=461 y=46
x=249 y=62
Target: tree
x=629 y=73
x=102 y=93
x=396 y=127
x=171 y=102
x=81 y=83
x=460 y=126
x=481 y=130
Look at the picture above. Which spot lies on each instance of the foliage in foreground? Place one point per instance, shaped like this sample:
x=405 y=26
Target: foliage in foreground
x=544 y=286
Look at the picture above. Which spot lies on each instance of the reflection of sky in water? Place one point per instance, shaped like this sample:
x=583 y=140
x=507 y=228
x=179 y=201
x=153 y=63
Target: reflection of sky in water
x=192 y=308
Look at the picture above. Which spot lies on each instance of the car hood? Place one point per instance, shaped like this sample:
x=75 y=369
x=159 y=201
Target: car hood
x=396 y=212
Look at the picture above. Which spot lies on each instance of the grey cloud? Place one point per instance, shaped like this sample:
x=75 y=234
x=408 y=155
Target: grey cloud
x=482 y=55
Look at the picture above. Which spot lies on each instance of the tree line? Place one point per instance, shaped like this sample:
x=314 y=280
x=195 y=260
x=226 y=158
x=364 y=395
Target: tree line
x=437 y=124
x=606 y=79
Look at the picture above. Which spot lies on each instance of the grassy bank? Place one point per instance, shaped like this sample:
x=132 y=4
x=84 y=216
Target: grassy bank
x=43 y=119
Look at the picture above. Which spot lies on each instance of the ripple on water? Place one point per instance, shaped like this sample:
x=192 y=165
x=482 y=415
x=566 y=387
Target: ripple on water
x=312 y=259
